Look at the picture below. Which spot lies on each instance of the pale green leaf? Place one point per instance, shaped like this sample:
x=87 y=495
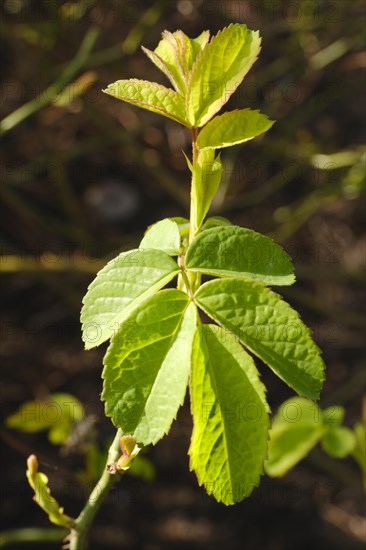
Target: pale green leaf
x=267 y=326
x=56 y=414
x=333 y=416
x=42 y=495
x=163 y=235
x=146 y=371
x=219 y=70
x=339 y=442
x=238 y=252
x=232 y=128
x=119 y=287
x=206 y=177
x=229 y=440
x=151 y=96
x=296 y=429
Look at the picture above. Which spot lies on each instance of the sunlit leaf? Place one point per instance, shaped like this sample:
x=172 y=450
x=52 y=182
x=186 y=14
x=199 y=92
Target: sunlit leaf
x=230 y=414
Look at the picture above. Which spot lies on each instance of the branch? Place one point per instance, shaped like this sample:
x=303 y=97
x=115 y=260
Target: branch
x=79 y=535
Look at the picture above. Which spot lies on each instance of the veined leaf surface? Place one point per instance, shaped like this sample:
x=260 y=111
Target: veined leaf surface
x=163 y=235
x=121 y=286
x=232 y=128
x=233 y=251
x=219 y=70
x=230 y=413
x=151 y=96
x=147 y=365
x=267 y=326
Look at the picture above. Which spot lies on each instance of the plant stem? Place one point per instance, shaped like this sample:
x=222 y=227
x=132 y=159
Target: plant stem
x=79 y=536
x=192 y=214
x=193 y=278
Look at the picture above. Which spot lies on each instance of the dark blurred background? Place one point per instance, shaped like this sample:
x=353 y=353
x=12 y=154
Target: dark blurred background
x=84 y=174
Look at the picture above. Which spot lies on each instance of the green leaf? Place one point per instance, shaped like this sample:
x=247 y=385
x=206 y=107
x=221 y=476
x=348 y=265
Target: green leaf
x=215 y=221
x=39 y=483
x=184 y=226
x=232 y=128
x=163 y=235
x=175 y=55
x=238 y=252
x=163 y=67
x=184 y=53
x=56 y=414
x=142 y=468
x=339 y=442
x=219 y=70
x=119 y=288
x=151 y=96
x=333 y=416
x=167 y=51
x=146 y=373
x=205 y=182
x=199 y=43
x=269 y=327
x=296 y=429
x=230 y=413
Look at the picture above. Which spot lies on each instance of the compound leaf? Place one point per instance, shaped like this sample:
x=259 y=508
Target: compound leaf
x=163 y=235
x=219 y=70
x=230 y=413
x=151 y=96
x=267 y=326
x=121 y=286
x=147 y=365
x=238 y=252
x=232 y=128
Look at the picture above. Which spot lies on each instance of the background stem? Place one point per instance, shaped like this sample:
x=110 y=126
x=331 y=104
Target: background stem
x=54 y=89
x=31 y=534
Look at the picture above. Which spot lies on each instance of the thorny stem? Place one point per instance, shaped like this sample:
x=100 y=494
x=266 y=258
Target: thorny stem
x=79 y=536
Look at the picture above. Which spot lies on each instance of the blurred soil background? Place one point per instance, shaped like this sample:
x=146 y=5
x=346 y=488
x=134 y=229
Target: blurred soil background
x=84 y=174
